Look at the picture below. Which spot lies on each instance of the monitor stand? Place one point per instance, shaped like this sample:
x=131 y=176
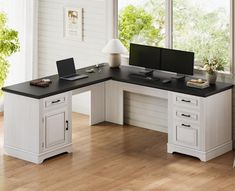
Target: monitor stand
x=179 y=77
x=146 y=72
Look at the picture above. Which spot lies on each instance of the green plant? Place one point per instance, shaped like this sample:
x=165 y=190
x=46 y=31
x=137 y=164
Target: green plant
x=201 y=30
x=137 y=25
x=9 y=44
x=214 y=64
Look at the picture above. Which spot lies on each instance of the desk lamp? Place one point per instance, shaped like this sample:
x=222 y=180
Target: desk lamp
x=114 y=47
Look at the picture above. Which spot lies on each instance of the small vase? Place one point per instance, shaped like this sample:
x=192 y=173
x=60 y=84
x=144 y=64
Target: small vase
x=211 y=78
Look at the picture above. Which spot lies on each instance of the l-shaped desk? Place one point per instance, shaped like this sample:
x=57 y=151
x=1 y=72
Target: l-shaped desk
x=37 y=121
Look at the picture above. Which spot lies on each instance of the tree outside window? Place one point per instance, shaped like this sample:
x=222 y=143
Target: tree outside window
x=199 y=26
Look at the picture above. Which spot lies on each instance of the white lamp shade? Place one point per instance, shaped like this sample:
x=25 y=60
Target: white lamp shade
x=114 y=46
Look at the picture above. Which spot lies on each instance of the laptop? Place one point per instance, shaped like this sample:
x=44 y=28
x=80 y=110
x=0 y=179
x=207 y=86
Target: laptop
x=66 y=70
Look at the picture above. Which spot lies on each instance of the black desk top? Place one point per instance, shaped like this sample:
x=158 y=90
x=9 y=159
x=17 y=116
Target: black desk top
x=122 y=74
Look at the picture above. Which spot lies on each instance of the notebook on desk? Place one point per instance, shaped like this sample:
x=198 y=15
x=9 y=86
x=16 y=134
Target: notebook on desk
x=66 y=70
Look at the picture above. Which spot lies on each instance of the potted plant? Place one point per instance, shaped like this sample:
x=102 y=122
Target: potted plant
x=212 y=65
x=9 y=44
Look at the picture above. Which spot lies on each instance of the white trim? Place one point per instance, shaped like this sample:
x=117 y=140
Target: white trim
x=203 y=156
x=36 y=157
x=31 y=17
x=232 y=36
x=35 y=47
x=169 y=24
x=111 y=7
x=115 y=16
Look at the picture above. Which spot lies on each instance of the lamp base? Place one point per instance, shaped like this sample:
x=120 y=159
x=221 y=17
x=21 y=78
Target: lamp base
x=114 y=60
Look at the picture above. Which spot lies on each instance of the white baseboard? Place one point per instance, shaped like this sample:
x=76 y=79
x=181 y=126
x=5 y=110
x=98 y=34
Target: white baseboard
x=203 y=156
x=34 y=157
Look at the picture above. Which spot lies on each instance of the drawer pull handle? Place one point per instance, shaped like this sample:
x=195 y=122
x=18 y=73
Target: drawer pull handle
x=67 y=125
x=57 y=101
x=186 y=125
x=184 y=115
x=187 y=101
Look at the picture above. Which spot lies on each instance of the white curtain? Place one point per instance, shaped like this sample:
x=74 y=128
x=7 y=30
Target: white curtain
x=22 y=16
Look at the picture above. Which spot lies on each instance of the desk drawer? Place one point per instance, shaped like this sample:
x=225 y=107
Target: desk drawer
x=55 y=101
x=186 y=100
x=187 y=115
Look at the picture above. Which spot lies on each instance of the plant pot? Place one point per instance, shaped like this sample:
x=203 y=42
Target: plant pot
x=211 y=78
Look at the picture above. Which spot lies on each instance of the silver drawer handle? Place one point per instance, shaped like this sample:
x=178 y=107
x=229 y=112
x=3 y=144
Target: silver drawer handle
x=187 y=101
x=185 y=125
x=184 y=115
x=57 y=101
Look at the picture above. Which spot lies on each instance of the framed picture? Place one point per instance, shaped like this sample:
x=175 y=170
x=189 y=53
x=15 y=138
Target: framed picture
x=73 y=27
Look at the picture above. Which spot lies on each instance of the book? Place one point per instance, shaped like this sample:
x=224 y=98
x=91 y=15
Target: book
x=41 y=83
x=198 y=83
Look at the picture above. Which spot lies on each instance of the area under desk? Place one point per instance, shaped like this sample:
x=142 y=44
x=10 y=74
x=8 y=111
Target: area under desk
x=37 y=121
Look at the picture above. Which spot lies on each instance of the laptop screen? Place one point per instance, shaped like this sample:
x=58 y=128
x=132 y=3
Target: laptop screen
x=66 y=67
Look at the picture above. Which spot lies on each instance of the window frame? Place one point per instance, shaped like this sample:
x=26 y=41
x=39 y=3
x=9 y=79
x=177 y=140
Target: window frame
x=169 y=30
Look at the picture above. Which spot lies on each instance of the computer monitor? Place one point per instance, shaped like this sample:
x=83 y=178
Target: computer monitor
x=177 y=61
x=148 y=57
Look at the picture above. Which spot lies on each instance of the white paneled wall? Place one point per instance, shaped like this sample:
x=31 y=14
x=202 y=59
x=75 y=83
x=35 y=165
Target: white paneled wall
x=145 y=111
x=53 y=46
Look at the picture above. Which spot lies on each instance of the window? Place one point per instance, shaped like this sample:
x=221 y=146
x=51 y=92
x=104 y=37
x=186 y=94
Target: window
x=193 y=25
x=142 y=22
x=203 y=27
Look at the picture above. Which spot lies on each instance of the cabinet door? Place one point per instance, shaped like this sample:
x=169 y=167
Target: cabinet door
x=186 y=134
x=55 y=128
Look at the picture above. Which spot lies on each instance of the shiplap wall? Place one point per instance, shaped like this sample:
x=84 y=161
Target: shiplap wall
x=53 y=46
x=145 y=111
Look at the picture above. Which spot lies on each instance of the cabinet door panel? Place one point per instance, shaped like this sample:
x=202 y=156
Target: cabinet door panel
x=55 y=129
x=186 y=135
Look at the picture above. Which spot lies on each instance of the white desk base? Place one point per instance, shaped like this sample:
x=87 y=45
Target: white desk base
x=36 y=129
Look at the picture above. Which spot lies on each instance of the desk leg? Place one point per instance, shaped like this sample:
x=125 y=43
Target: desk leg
x=97 y=109
x=114 y=102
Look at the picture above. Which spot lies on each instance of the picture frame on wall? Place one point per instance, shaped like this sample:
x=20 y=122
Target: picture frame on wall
x=73 y=26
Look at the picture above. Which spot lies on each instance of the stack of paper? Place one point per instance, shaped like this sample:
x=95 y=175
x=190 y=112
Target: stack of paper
x=198 y=83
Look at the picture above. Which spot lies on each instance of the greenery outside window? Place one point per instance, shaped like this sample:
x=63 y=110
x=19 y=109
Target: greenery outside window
x=192 y=25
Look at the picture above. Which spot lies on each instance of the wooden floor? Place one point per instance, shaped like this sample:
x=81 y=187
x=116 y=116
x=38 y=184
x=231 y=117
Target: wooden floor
x=109 y=157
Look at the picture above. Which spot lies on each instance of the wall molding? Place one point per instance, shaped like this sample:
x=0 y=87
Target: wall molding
x=111 y=10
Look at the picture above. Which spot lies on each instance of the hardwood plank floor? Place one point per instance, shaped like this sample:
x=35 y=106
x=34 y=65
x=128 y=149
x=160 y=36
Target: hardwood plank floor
x=108 y=157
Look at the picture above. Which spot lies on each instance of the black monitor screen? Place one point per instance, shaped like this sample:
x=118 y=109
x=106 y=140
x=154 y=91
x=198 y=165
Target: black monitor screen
x=181 y=62
x=145 y=56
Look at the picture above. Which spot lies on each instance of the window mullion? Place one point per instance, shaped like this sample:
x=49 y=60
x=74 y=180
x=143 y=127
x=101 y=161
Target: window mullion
x=169 y=23
x=111 y=7
x=115 y=16
x=232 y=36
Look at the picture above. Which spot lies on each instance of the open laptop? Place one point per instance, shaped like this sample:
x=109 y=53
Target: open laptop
x=66 y=70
